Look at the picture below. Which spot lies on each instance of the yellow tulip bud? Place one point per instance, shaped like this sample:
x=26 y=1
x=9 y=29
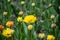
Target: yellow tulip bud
x=8 y=0
x=59 y=7
x=41 y=35
x=30 y=27
x=33 y=4
x=20 y=13
x=4 y=13
x=22 y=2
x=19 y=19
x=50 y=5
x=52 y=16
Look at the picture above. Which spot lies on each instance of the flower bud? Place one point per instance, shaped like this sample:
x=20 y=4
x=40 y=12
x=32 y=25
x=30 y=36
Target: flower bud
x=59 y=7
x=33 y=4
x=50 y=5
x=22 y=2
x=52 y=16
x=4 y=13
x=30 y=27
x=41 y=35
x=19 y=19
x=20 y=13
x=1 y=27
x=8 y=0
x=53 y=25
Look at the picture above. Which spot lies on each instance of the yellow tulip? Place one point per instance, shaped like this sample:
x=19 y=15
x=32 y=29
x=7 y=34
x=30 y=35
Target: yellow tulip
x=30 y=19
x=50 y=37
x=8 y=32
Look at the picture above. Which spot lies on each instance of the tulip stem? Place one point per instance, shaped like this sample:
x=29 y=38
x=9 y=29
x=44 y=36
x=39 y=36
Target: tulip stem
x=30 y=36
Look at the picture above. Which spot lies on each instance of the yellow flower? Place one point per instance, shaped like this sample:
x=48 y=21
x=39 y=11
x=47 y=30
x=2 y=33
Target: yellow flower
x=4 y=13
x=9 y=23
x=52 y=16
x=29 y=19
x=8 y=0
x=33 y=4
x=19 y=19
x=50 y=37
x=20 y=13
x=50 y=5
x=59 y=7
x=8 y=32
x=30 y=27
x=41 y=35
x=22 y=2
